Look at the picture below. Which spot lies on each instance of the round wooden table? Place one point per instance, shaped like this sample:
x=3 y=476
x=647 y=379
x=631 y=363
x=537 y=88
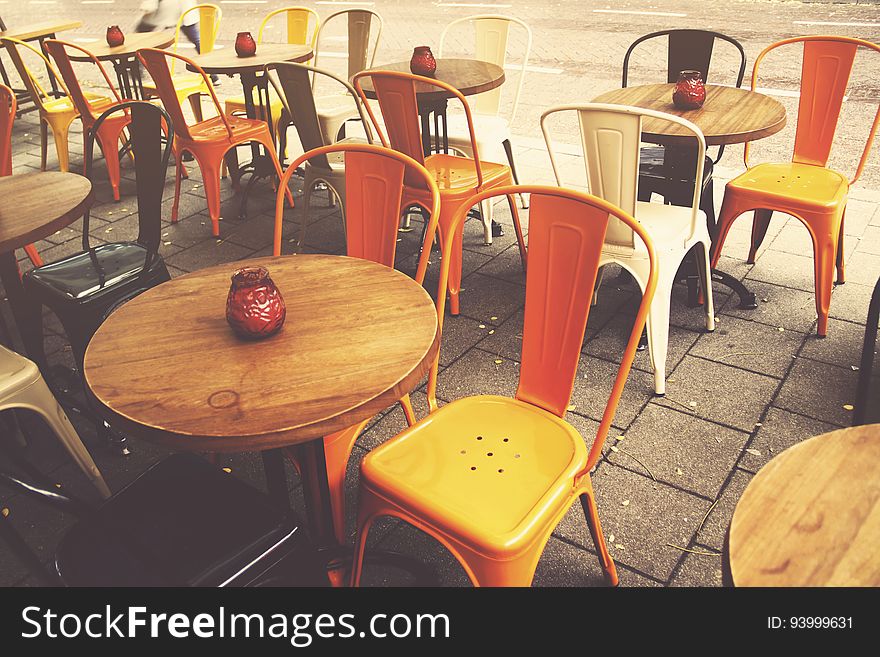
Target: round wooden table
x=811 y=516
x=124 y=58
x=254 y=83
x=166 y=366
x=32 y=207
x=469 y=76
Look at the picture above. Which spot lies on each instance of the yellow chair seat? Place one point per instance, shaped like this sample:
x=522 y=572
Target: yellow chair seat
x=184 y=85
x=64 y=104
x=490 y=471
x=454 y=173
x=236 y=104
x=792 y=185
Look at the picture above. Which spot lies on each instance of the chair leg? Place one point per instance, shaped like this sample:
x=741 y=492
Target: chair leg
x=707 y=203
x=841 y=278
x=517 y=226
x=455 y=263
x=61 y=136
x=44 y=144
x=730 y=210
x=337 y=451
x=704 y=270
x=486 y=218
x=588 y=503
x=304 y=219
x=408 y=411
x=178 y=175
x=658 y=330
x=111 y=160
x=825 y=256
x=508 y=149
x=195 y=102
x=760 y=224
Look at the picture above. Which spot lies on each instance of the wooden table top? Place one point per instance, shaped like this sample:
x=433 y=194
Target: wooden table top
x=729 y=115
x=811 y=516
x=35 y=205
x=36 y=30
x=134 y=41
x=469 y=76
x=225 y=61
x=167 y=367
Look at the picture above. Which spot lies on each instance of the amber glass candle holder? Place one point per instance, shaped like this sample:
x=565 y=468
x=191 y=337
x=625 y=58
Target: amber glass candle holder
x=254 y=307
x=115 y=37
x=690 y=92
x=245 y=46
x=423 y=62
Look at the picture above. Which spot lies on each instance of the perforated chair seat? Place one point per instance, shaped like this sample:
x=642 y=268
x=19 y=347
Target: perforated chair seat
x=796 y=186
x=184 y=522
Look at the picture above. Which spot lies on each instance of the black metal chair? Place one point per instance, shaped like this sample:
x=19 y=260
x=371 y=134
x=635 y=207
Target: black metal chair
x=867 y=412
x=665 y=170
x=80 y=289
x=184 y=522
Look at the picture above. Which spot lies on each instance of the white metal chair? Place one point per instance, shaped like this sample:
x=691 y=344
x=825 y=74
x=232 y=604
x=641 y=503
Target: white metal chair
x=610 y=136
x=492 y=127
x=364 y=32
x=22 y=386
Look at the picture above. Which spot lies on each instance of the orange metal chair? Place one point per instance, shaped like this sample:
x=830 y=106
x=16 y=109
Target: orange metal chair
x=91 y=107
x=457 y=177
x=8 y=105
x=207 y=140
x=805 y=188
x=490 y=477
x=374 y=190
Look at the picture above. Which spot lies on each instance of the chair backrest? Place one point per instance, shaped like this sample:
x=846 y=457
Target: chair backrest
x=302 y=25
x=373 y=193
x=491 y=32
x=156 y=62
x=566 y=233
x=7 y=118
x=293 y=83
x=364 y=32
x=150 y=164
x=58 y=50
x=28 y=77
x=610 y=138
x=825 y=72
x=209 y=27
x=396 y=92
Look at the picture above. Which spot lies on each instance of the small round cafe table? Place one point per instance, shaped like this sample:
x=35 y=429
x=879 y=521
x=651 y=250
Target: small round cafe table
x=32 y=207
x=124 y=58
x=469 y=76
x=811 y=516
x=254 y=82
x=729 y=115
x=166 y=367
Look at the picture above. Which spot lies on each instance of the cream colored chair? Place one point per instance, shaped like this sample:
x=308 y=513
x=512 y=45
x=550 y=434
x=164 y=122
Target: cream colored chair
x=22 y=386
x=491 y=125
x=610 y=136
x=292 y=83
x=363 y=33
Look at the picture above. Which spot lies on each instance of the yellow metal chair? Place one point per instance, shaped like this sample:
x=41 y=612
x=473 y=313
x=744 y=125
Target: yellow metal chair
x=490 y=477
x=302 y=29
x=55 y=113
x=190 y=86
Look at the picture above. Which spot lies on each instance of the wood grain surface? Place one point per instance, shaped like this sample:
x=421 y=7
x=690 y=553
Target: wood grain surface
x=811 y=516
x=167 y=367
x=134 y=41
x=35 y=205
x=225 y=61
x=729 y=115
x=32 y=31
x=469 y=76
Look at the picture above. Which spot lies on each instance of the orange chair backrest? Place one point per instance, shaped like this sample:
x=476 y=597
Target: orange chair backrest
x=396 y=93
x=156 y=62
x=7 y=117
x=566 y=234
x=58 y=50
x=825 y=72
x=373 y=190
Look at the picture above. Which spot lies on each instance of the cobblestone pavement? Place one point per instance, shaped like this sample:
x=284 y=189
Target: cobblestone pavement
x=759 y=384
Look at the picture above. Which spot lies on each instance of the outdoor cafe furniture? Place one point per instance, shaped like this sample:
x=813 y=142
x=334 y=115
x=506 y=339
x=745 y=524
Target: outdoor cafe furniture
x=293 y=86
x=491 y=125
x=806 y=188
x=110 y=135
x=458 y=177
x=191 y=86
x=183 y=522
x=811 y=516
x=371 y=220
x=209 y=140
x=255 y=85
x=728 y=116
x=611 y=137
x=358 y=336
x=491 y=477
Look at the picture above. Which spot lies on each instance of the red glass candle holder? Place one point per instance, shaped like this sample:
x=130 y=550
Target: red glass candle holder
x=254 y=308
x=423 y=62
x=115 y=37
x=245 y=46
x=690 y=92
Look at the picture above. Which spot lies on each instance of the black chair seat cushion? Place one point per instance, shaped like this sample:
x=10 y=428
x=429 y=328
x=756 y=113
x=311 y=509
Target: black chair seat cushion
x=658 y=172
x=184 y=522
x=86 y=275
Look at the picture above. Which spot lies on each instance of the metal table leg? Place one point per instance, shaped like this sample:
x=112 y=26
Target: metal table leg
x=26 y=313
x=261 y=165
